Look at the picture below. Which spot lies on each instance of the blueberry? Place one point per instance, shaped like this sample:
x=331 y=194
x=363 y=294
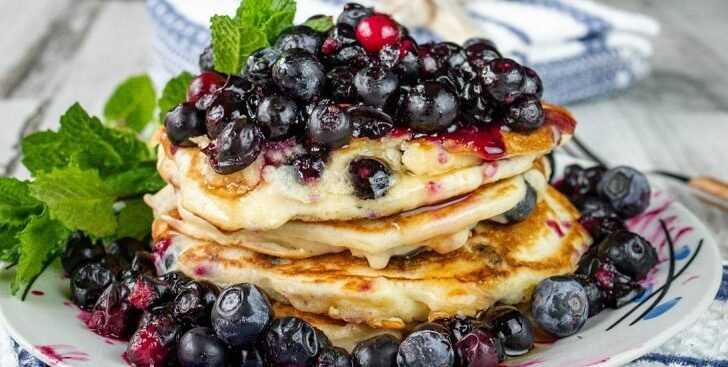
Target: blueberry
x=206 y=60
x=525 y=114
x=117 y=264
x=479 y=52
x=333 y=357
x=291 y=341
x=369 y=122
x=626 y=189
x=80 y=250
x=194 y=303
x=478 y=107
x=512 y=328
x=299 y=74
x=126 y=247
x=502 y=79
x=425 y=348
x=148 y=292
x=154 y=342
x=200 y=347
x=593 y=295
x=184 y=122
x=378 y=351
x=301 y=37
x=258 y=66
x=436 y=326
x=629 y=252
x=370 y=177
x=88 y=282
x=524 y=208
x=479 y=348
x=375 y=85
x=277 y=116
x=112 y=314
x=589 y=263
x=338 y=36
x=621 y=293
x=250 y=356
x=237 y=147
x=224 y=106
x=458 y=326
x=143 y=263
x=430 y=107
x=340 y=84
x=353 y=55
x=309 y=167
x=402 y=59
x=580 y=182
x=176 y=279
x=560 y=306
x=600 y=226
x=532 y=83
x=596 y=206
x=353 y=13
x=329 y=125
x=449 y=55
x=241 y=313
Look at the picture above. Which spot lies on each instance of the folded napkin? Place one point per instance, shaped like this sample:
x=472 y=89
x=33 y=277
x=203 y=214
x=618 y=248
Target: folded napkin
x=580 y=48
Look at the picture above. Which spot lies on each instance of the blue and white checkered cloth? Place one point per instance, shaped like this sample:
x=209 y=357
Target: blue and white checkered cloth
x=580 y=48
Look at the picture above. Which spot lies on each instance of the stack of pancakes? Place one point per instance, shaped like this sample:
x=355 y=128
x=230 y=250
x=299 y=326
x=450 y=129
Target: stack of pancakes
x=468 y=220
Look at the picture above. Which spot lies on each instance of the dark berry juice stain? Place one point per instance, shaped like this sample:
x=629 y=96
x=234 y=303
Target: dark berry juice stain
x=487 y=142
x=59 y=353
x=555 y=226
x=37 y=293
x=561 y=119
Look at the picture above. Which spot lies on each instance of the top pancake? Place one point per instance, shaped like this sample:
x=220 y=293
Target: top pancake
x=425 y=171
x=499 y=263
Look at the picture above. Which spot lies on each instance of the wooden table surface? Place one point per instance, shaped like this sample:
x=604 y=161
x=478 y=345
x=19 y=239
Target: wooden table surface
x=56 y=52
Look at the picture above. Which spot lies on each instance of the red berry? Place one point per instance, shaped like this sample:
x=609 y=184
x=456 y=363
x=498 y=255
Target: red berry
x=377 y=31
x=204 y=83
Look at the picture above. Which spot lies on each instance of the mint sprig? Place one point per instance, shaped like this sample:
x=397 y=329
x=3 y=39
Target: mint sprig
x=88 y=176
x=256 y=24
x=321 y=23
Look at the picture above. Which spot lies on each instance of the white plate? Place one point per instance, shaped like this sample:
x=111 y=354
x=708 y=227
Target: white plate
x=682 y=287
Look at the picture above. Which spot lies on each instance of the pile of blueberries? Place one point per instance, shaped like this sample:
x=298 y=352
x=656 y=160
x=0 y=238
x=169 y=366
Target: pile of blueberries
x=363 y=78
x=609 y=273
x=172 y=320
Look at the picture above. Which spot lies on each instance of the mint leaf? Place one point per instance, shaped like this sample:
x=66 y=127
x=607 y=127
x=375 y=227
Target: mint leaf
x=77 y=198
x=256 y=24
x=174 y=93
x=36 y=148
x=16 y=203
x=40 y=241
x=134 y=220
x=9 y=245
x=321 y=23
x=132 y=103
x=84 y=142
x=135 y=181
x=280 y=17
x=233 y=43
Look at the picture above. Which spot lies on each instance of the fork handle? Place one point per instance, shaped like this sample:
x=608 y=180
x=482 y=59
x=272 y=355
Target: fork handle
x=710 y=185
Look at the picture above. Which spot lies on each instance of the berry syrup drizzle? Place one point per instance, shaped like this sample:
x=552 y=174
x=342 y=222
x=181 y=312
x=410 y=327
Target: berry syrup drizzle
x=57 y=354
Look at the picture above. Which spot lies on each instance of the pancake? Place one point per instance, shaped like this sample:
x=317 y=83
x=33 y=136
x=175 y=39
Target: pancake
x=424 y=171
x=499 y=263
x=442 y=228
